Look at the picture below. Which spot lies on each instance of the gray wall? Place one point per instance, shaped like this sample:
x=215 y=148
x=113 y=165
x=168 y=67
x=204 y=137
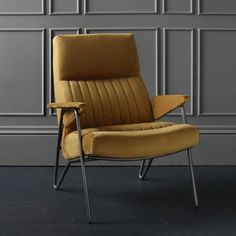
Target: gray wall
x=185 y=47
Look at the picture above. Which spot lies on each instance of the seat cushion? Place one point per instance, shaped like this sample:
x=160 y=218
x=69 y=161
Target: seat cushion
x=153 y=139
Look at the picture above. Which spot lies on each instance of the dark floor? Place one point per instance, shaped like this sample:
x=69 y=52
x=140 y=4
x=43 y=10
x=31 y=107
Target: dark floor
x=121 y=204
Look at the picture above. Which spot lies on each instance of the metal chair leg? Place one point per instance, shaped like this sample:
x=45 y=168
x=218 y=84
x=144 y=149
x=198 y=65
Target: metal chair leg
x=144 y=169
x=86 y=194
x=193 y=177
x=56 y=168
x=56 y=184
x=83 y=170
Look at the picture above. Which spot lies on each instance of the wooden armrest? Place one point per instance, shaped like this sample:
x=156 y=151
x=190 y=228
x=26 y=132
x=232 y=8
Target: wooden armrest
x=161 y=105
x=67 y=105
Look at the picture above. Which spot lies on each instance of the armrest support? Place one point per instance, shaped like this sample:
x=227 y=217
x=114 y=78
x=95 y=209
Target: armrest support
x=161 y=105
x=68 y=107
x=61 y=126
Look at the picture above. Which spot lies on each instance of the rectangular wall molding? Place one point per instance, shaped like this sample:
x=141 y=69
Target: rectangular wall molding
x=74 y=11
x=153 y=88
x=202 y=69
x=166 y=68
x=41 y=109
x=52 y=33
x=19 y=7
x=183 y=11
x=88 y=11
x=230 y=10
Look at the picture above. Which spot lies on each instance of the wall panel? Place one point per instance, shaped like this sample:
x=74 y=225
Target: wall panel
x=21 y=72
x=177 y=7
x=217 y=70
x=21 y=7
x=181 y=51
x=178 y=63
x=58 y=7
x=52 y=33
x=120 y=7
x=217 y=7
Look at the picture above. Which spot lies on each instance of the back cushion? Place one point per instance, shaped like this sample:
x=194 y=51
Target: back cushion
x=101 y=70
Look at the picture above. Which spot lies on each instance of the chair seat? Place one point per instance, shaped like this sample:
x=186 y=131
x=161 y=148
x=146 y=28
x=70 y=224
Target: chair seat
x=153 y=139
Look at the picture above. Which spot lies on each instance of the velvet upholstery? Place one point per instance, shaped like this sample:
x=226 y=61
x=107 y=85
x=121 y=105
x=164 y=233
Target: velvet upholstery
x=153 y=139
x=161 y=105
x=102 y=71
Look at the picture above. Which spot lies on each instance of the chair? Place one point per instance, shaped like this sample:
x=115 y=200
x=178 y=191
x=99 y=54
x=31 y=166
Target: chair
x=104 y=111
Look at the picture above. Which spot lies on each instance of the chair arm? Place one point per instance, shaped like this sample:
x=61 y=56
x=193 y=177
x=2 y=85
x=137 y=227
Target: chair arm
x=66 y=105
x=161 y=105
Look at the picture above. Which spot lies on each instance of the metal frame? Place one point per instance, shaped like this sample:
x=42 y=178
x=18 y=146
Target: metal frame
x=57 y=183
x=81 y=159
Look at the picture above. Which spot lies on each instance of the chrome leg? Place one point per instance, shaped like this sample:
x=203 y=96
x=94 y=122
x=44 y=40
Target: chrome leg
x=83 y=170
x=193 y=177
x=144 y=169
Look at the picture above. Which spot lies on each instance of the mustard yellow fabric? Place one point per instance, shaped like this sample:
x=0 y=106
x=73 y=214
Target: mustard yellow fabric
x=102 y=71
x=151 y=139
x=161 y=105
x=95 y=56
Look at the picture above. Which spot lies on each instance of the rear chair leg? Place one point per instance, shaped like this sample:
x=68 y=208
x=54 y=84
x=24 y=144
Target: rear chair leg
x=144 y=169
x=57 y=184
x=193 y=177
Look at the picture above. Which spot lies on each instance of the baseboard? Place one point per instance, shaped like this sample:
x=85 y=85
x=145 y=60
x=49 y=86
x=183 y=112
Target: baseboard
x=39 y=150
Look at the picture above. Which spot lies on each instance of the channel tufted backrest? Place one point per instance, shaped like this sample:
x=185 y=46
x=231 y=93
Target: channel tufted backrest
x=101 y=70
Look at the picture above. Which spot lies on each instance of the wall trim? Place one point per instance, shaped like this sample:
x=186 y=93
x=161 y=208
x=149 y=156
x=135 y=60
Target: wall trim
x=164 y=88
x=212 y=13
x=199 y=107
x=87 y=12
x=24 y=130
x=50 y=76
x=165 y=12
x=42 y=112
x=76 y=12
x=42 y=12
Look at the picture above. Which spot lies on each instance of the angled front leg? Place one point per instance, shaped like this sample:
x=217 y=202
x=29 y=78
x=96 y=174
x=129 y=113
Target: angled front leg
x=56 y=184
x=83 y=169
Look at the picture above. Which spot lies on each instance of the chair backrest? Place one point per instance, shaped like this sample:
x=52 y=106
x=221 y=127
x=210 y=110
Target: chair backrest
x=103 y=71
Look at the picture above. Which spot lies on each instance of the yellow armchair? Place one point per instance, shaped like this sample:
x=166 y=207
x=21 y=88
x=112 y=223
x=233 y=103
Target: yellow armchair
x=104 y=111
